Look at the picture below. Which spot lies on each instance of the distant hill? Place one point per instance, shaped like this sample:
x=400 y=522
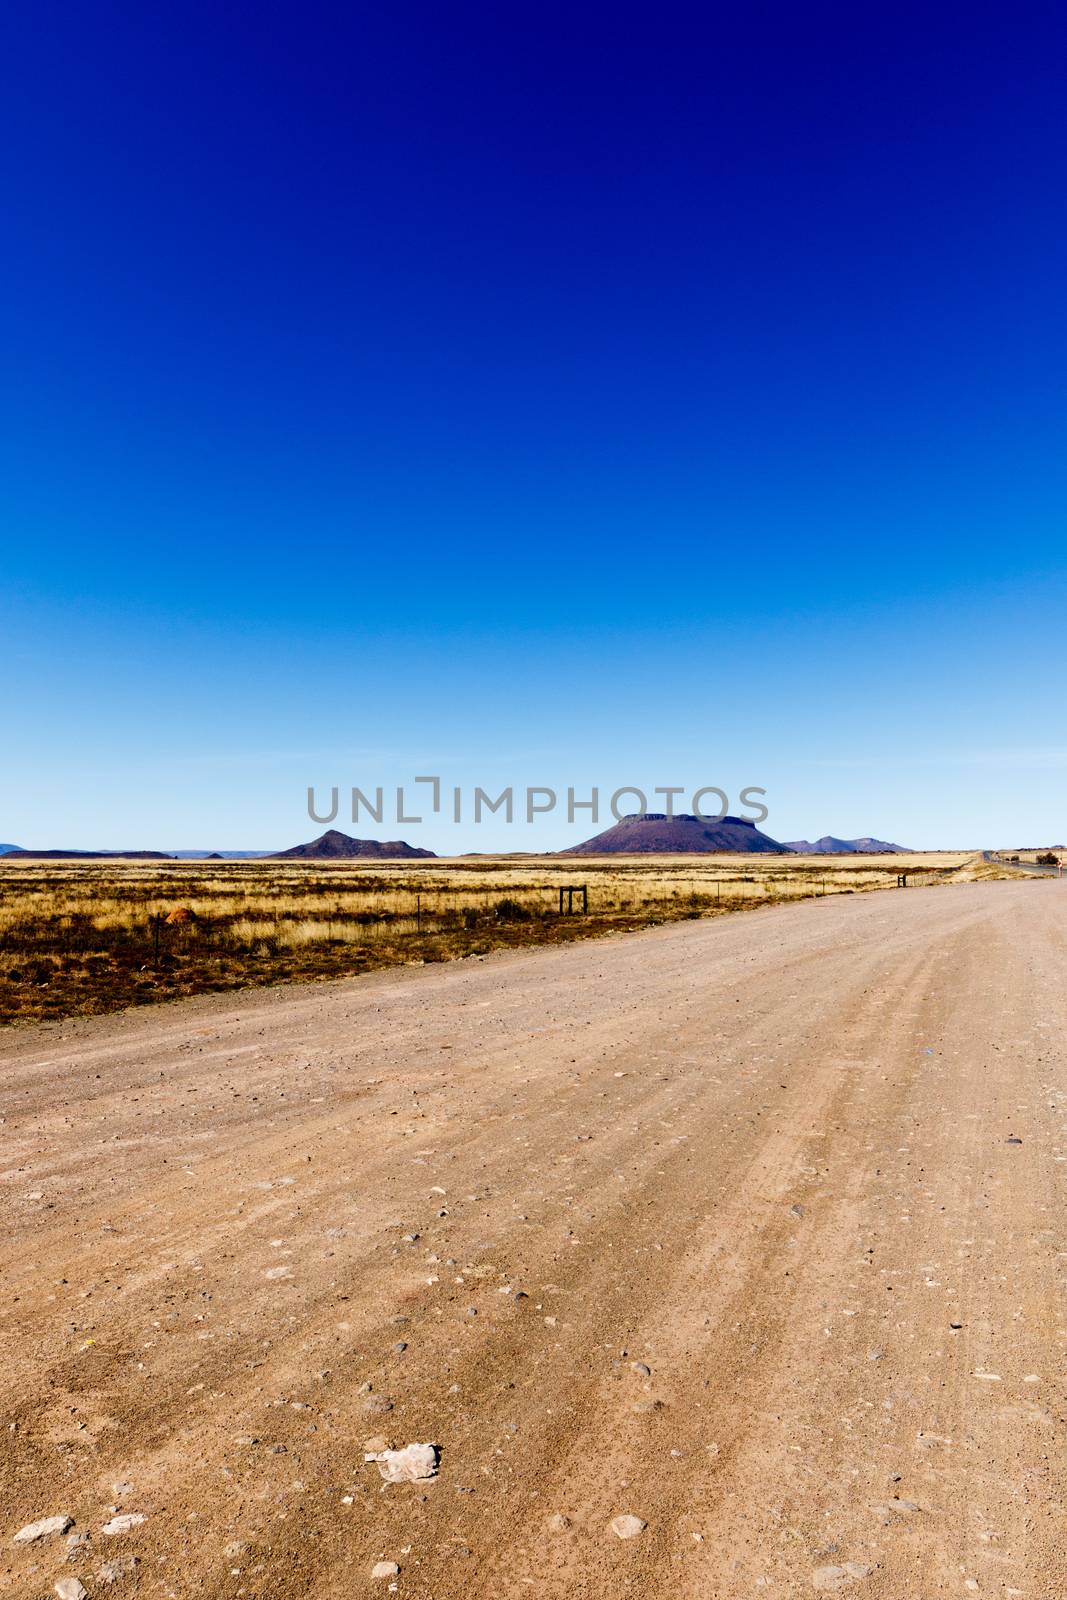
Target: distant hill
x=137 y=855
x=829 y=846
x=219 y=855
x=654 y=833
x=335 y=846
x=88 y=855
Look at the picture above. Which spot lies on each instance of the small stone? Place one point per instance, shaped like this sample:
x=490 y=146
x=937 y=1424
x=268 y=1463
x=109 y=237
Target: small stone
x=112 y=1571
x=385 y=1569
x=558 y=1523
x=415 y=1461
x=838 y=1577
x=121 y=1489
x=627 y=1527
x=376 y=1403
x=71 y=1589
x=123 y=1523
x=43 y=1529
x=641 y=1369
x=399 y=1348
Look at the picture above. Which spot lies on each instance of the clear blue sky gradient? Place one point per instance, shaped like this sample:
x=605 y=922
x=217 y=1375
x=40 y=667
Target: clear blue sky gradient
x=572 y=395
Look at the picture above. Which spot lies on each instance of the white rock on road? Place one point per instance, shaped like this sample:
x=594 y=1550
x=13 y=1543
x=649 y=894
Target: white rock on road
x=43 y=1529
x=71 y=1589
x=123 y=1524
x=385 y=1569
x=628 y=1527
x=409 y=1465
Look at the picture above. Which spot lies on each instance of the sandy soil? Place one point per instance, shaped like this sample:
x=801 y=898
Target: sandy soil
x=774 y=1158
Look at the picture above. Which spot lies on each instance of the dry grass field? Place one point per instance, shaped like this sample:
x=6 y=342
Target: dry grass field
x=97 y=936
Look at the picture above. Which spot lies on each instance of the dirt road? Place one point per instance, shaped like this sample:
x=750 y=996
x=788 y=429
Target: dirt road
x=807 y=1166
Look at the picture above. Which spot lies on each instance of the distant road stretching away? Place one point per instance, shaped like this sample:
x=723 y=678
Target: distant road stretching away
x=806 y=1165
x=1025 y=866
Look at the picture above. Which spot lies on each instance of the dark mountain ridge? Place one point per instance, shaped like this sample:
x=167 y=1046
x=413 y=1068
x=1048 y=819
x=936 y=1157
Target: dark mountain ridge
x=828 y=845
x=336 y=846
x=86 y=855
x=655 y=833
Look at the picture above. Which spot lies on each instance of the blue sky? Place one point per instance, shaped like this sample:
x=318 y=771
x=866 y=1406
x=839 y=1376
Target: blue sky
x=588 y=395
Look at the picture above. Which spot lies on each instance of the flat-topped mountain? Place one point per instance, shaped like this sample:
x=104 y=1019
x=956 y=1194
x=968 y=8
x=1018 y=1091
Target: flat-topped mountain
x=337 y=846
x=829 y=846
x=85 y=855
x=654 y=833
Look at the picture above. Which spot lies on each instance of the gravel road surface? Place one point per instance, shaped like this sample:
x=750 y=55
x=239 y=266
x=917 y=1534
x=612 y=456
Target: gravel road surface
x=748 y=1232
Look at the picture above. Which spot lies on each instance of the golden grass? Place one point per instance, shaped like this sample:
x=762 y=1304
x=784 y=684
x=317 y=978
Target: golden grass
x=93 y=936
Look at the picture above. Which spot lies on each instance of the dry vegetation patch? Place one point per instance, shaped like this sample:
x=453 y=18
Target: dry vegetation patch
x=96 y=936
